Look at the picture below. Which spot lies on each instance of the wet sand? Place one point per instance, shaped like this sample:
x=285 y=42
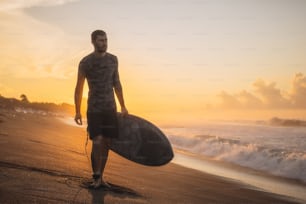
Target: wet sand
x=43 y=160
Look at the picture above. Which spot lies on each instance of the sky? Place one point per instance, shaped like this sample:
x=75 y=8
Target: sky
x=178 y=60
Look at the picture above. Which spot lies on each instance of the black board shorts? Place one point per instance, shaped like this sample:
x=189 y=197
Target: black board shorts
x=102 y=123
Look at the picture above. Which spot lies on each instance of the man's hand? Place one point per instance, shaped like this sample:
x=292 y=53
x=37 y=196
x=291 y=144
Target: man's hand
x=78 y=119
x=124 y=111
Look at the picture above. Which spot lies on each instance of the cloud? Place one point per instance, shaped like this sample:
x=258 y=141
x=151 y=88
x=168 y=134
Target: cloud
x=298 y=92
x=244 y=99
x=267 y=95
x=270 y=95
x=6 y=5
x=249 y=100
x=229 y=101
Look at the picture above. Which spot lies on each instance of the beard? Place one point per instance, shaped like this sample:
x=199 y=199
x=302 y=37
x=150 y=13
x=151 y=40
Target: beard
x=101 y=49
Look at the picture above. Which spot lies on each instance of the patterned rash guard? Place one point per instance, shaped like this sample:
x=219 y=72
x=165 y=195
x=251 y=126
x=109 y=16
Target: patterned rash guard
x=102 y=76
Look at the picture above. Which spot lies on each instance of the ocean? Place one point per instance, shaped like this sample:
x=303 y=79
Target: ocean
x=276 y=150
x=267 y=157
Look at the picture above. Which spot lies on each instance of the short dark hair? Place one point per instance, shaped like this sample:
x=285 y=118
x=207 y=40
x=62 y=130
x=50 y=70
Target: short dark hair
x=96 y=33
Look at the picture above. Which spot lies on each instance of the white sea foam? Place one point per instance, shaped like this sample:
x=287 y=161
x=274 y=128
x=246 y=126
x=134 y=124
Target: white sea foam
x=30 y=111
x=272 y=151
x=70 y=121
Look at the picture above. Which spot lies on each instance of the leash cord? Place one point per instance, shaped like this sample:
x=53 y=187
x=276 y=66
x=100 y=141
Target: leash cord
x=86 y=148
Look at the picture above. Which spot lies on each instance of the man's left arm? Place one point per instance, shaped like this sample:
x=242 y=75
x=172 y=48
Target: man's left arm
x=118 y=90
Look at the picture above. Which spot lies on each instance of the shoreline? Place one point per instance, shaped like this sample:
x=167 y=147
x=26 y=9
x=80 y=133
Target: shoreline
x=43 y=160
x=259 y=180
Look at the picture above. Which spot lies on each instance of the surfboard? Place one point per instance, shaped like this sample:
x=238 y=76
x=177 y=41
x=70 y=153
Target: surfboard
x=141 y=141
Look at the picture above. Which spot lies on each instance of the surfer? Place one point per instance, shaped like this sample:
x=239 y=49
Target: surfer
x=100 y=69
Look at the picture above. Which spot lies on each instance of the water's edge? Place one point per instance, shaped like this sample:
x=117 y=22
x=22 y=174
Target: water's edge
x=261 y=181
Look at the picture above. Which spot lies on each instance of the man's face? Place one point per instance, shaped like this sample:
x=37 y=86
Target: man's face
x=100 y=43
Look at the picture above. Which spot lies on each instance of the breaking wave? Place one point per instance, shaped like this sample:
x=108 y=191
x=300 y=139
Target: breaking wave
x=277 y=161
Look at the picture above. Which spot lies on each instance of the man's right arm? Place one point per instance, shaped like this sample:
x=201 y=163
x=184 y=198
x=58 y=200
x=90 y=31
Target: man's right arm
x=78 y=93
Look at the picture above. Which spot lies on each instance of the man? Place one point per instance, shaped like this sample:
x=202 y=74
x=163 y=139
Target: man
x=100 y=68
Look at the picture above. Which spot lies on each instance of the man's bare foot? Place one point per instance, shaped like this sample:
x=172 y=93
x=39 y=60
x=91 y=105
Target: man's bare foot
x=104 y=184
x=99 y=183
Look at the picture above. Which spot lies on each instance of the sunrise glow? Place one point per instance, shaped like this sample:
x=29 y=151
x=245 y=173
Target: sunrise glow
x=179 y=62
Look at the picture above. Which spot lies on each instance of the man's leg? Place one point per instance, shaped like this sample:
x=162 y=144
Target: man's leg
x=99 y=155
